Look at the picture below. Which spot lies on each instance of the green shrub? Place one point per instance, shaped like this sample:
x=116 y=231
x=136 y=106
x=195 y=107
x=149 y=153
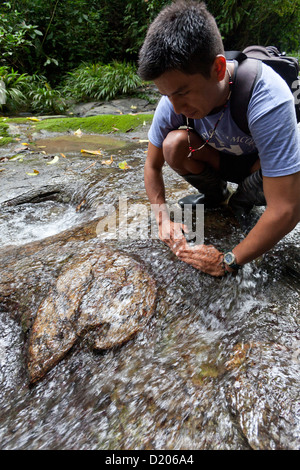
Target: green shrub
x=98 y=81
x=43 y=99
x=14 y=90
x=31 y=93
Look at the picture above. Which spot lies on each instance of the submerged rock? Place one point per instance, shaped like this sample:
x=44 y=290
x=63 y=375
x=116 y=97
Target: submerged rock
x=80 y=291
x=106 y=298
x=264 y=395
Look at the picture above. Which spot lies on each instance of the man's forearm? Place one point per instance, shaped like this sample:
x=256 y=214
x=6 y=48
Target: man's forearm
x=269 y=230
x=154 y=185
x=155 y=189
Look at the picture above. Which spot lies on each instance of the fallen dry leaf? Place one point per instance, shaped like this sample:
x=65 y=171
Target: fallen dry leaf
x=79 y=207
x=16 y=157
x=91 y=152
x=108 y=162
x=34 y=173
x=124 y=165
x=55 y=160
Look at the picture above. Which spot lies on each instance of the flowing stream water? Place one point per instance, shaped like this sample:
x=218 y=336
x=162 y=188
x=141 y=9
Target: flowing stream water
x=217 y=366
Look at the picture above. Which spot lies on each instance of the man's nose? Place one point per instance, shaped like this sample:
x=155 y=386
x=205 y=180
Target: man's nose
x=178 y=104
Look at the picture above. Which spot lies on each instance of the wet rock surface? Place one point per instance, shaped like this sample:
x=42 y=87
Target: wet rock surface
x=118 y=106
x=103 y=298
x=129 y=348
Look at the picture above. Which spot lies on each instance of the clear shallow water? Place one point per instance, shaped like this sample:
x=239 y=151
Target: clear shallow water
x=216 y=367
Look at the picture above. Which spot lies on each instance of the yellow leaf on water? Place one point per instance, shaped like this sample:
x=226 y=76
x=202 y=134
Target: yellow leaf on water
x=91 y=152
x=133 y=107
x=79 y=207
x=123 y=165
x=2 y=169
x=24 y=143
x=16 y=157
x=63 y=155
x=108 y=162
x=55 y=160
x=33 y=119
x=35 y=172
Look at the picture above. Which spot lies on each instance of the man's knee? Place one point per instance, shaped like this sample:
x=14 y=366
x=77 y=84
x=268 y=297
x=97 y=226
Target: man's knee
x=175 y=146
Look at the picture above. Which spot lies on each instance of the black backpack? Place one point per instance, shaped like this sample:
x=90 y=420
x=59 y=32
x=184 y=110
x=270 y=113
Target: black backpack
x=248 y=72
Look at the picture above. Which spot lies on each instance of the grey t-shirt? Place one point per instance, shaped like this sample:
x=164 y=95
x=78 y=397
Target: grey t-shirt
x=271 y=120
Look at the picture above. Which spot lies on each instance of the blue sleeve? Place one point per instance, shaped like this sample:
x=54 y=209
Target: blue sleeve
x=273 y=125
x=164 y=121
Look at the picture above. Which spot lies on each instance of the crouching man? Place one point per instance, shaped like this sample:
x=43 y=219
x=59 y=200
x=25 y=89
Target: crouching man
x=183 y=54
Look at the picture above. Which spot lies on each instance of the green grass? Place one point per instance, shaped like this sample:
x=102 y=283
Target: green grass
x=95 y=124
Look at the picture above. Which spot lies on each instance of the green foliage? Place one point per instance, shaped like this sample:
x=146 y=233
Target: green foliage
x=44 y=99
x=271 y=22
x=51 y=37
x=98 y=81
x=17 y=38
x=72 y=31
x=15 y=85
x=24 y=92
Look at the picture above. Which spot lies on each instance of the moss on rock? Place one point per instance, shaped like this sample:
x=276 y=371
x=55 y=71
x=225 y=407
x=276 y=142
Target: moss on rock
x=5 y=138
x=101 y=124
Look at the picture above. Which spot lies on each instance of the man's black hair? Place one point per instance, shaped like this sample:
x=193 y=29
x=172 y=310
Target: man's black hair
x=185 y=37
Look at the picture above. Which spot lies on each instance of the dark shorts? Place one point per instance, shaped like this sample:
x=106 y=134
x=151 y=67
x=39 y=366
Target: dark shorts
x=235 y=168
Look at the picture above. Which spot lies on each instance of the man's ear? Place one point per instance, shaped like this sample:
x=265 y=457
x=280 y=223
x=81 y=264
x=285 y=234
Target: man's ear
x=219 y=67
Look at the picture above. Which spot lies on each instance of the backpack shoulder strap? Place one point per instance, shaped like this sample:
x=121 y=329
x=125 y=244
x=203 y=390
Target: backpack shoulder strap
x=247 y=71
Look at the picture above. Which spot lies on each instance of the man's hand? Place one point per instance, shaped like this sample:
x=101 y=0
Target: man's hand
x=171 y=233
x=206 y=258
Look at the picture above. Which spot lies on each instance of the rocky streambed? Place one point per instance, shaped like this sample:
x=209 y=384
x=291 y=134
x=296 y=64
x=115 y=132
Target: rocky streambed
x=107 y=340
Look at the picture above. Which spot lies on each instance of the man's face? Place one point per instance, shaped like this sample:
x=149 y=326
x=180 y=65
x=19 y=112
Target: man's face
x=191 y=95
